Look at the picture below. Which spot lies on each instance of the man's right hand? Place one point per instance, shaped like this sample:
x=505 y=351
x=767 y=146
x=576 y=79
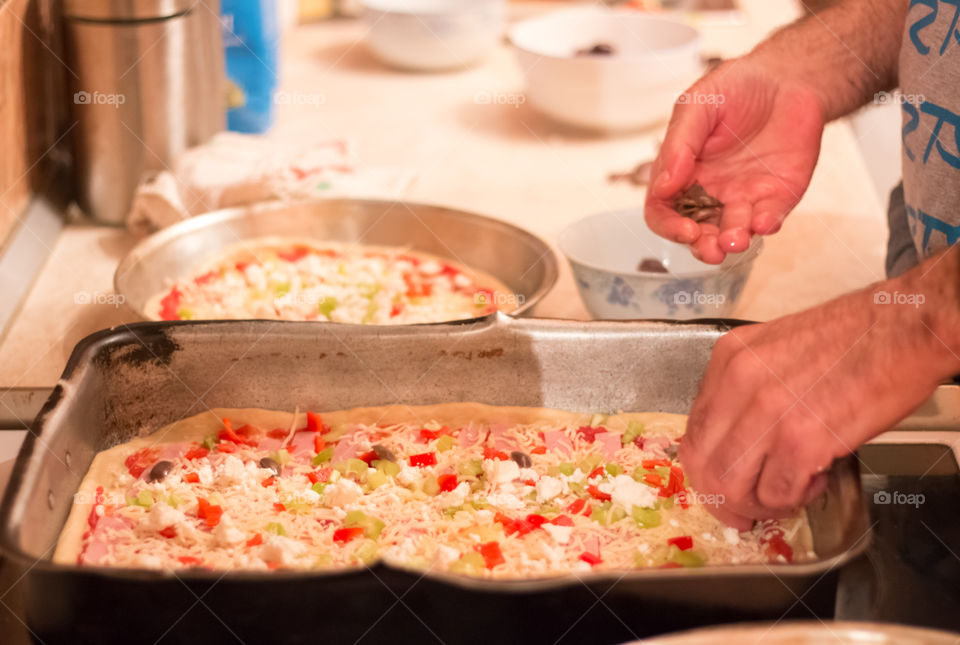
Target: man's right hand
x=751 y=141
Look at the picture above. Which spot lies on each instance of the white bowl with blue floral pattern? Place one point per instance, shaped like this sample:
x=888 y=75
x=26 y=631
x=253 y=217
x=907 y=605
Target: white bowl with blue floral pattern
x=606 y=250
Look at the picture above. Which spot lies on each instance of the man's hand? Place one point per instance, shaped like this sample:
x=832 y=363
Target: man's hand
x=751 y=141
x=781 y=400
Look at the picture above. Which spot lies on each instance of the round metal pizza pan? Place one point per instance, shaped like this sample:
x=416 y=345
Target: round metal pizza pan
x=809 y=633
x=523 y=262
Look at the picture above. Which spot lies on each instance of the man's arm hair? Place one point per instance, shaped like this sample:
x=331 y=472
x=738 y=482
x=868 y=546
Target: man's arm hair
x=846 y=53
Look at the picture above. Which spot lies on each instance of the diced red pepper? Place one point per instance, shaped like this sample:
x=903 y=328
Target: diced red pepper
x=530 y=482
x=346 y=534
x=242 y=266
x=370 y=457
x=590 y=433
x=291 y=448
x=93 y=518
x=536 y=519
x=654 y=463
x=197 y=452
x=684 y=542
x=227 y=433
x=294 y=254
x=191 y=478
x=206 y=277
x=268 y=482
x=578 y=506
x=539 y=450
x=653 y=479
x=255 y=540
x=598 y=494
x=277 y=506
x=278 y=433
x=189 y=560
x=492 y=555
x=430 y=435
x=674 y=483
x=591 y=558
x=489 y=452
x=170 y=304
x=169 y=532
x=141 y=460
x=447 y=482
x=226 y=446
x=777 y=546
x=319 y=443
x=315 y=423
x=209 y=513
x=562 y=520
x=599 y=471
x=321 y=475
x=423 y=459
x=396 y=310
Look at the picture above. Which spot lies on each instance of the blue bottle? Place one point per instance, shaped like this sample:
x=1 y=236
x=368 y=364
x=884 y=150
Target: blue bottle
x=252 y=40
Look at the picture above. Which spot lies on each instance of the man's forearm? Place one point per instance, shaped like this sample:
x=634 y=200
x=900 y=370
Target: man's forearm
x=845 y=53
x=933 y=288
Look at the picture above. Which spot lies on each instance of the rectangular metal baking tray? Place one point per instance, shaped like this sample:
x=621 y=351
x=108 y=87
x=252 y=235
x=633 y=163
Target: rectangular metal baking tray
x=128 y=381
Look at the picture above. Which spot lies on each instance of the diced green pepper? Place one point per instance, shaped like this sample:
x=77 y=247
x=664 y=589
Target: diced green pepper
x=614 y=469
x=590 y=463
x=646 y=518
x=210 y=441
x=430 y=485
x=376 y=480
x=470 y=467
x=327 y=305
x=275 y=528
x=282 y=289
x=282 y=457
x=687 y=558
x=598 y=420
x=445 y=443
x=174 y=501
x=366 y=552
x=634 y=430
x=372 y=526
x=469 y=563
x=561 y=469
x=184 y=314
x=388 y=468
x=323 y=456
x=144 y=498
x=318 y=487
x=352 y=466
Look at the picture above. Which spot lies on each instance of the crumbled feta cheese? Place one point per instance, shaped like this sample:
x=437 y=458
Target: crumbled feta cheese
x=674 y=523
x=408 y=475
x=226 y=534
x=643 y=547
x=162 y=515
x=506 y=500
x=342 y=493
x=500 y=472
x=148 y=561
x=577 y=476
x=456 y=496
x=205 y=474
x=446 y=555
x=528 y=473
x=548 y=488
x=230 y=472
x=484 y=516
x=628 y=493
x=708 y=537
x=731 y=535
x=280 y=549
x=560 y=534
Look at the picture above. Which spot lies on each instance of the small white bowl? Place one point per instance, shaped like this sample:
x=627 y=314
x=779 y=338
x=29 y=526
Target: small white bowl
x=653 y=62
x=432 y=35
x=605 y=251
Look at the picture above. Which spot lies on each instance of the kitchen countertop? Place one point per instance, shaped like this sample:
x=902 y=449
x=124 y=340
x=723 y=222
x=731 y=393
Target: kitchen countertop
x=504 y=161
